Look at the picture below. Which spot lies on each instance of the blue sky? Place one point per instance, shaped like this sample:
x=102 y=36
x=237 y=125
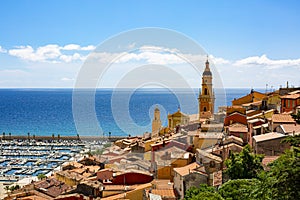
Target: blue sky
x=264 y=32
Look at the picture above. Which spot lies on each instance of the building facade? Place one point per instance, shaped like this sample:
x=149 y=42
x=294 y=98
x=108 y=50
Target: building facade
x=206 y=96
x=156 y=123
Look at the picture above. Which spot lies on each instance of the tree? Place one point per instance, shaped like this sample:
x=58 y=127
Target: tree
x=244 y=165
x=6 y=188
x=41 y=176
x=238 y=189
x=293 y=140
x=28 y=135
x=283 y=179
x=296 y=117
x=204 y=192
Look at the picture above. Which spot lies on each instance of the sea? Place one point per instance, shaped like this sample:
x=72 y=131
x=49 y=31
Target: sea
x=117 y=112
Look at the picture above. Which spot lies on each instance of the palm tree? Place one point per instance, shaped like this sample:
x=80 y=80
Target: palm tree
x=52 y=137
x=3 y=135
x=9 y=135
x=109 y=134
x=28 y=135
x=58 y=136
x=33 y=136
x=78 y=138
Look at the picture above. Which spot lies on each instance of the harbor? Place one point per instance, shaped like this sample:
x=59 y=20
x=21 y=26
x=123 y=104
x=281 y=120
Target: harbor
x=22 y=159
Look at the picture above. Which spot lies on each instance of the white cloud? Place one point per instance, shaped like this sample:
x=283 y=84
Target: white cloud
x=71 y=47
x=2 y=50
x=70 y=58
x=67 y=79
x=265 y=61
x=88 y=48
x=51 y=53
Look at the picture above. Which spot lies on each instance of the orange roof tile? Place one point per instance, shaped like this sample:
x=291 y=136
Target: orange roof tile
x=281 y=118
x=182 y=171
x=290 y=128
x=164 y=192
x=291 y=96
x=237 y=127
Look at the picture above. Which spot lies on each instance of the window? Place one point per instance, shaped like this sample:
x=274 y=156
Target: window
x=212 y=164
x=204 y=109
x=205 y=91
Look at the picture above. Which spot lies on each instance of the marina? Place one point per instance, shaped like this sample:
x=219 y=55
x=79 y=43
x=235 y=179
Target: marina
x=22 y=159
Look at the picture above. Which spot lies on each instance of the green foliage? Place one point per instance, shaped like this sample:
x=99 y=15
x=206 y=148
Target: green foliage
x=244 y=165
x=296 y=117
x=293 y=140
x=283 y=179
x=41 y=176
x=204 y=192
x=238 y=189
x=281 y=182
x=100 y=151
x=14 y=187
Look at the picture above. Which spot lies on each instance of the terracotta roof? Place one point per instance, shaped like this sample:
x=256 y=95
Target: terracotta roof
x=182 y=171
x=268 y=136
x=232 y=138
x=51 y=187
x=290 y=128
x=208 y=155
x=282 y=118
x=165 y=193
x=291 y=95
x=237 y=127
x=162 y=184
x=269 y=159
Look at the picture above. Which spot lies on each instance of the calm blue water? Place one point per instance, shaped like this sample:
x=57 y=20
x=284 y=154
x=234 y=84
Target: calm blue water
x=49 y=111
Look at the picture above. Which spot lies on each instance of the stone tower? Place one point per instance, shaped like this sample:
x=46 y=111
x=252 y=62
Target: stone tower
x=156 y=123
x=206 y=96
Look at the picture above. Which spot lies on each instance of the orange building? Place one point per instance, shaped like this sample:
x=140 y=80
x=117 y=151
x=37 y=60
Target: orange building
x=254 y=96
x=290 y=102
x=206 y=97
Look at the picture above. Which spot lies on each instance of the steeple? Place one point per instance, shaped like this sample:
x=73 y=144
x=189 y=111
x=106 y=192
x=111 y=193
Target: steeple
x=156 y=122
x=207 y=71
x=206 y=97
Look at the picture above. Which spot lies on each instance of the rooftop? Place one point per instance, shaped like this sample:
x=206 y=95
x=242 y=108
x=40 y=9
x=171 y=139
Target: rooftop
x=237 y=127
x=182 y=171
x=291 y=128
x=282 y=118
x=268 y=136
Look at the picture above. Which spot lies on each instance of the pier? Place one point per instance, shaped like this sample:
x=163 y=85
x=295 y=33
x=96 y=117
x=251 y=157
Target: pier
x=64 y=138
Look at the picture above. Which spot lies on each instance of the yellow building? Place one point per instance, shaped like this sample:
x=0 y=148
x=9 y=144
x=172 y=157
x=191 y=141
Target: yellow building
x=206 y=97
x=203 y=140
x=177 y=118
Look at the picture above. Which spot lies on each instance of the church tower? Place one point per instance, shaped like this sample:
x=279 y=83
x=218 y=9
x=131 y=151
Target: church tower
x=156 y=123
x=206 y=96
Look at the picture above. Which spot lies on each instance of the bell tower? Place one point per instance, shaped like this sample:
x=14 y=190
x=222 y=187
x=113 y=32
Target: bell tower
x=206 y=95
x=156 y=123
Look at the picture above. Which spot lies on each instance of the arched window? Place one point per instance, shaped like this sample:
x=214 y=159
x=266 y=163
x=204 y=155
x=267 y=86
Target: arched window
x=204 y=109
x=205 y=91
